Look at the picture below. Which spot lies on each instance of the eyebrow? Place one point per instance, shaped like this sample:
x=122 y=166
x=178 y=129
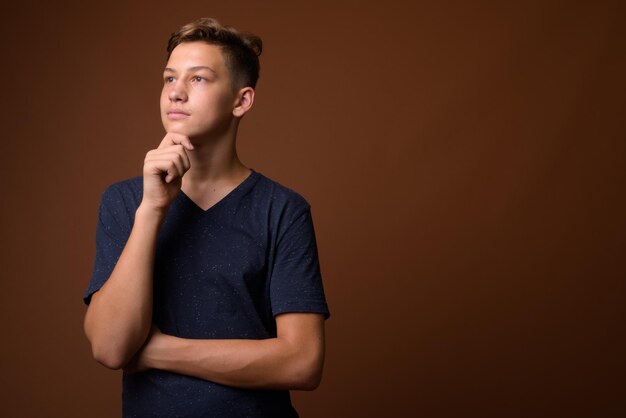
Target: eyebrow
x=195 y=68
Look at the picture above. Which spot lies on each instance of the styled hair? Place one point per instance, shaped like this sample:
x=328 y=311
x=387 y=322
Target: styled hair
x=241 y=50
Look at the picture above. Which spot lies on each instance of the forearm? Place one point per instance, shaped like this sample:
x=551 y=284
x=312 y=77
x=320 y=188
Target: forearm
x=268 y=364
x=119 y=316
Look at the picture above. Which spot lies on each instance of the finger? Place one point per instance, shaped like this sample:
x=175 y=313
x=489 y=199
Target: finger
x=163 y=163
x=175 y=157
x=178 y=149
x=173 y=138
x=164 y=166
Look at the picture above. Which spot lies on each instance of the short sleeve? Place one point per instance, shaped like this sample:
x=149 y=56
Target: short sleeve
x=296 y=282
x=112 y=232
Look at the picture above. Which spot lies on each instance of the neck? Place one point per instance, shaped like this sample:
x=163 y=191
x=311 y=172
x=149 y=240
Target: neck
x=214 y=160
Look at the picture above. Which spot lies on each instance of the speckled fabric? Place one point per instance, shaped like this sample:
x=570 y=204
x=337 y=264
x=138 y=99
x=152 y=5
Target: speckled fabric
x=221 y=273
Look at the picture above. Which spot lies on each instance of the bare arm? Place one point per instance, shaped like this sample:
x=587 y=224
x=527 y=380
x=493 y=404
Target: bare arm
x=292 y=360
x=118 y=319
x=119 y=316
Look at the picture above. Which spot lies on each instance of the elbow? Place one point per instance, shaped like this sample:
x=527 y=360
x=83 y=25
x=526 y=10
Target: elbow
x=310 y=383
x=308 y=374
x=309 y=380
x=110 y=362
x=106 y=354
x=111 y=352
x=109 y=358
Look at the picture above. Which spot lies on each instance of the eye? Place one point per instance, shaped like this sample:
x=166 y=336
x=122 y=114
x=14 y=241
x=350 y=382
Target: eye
x=197 y=78
x=168 y=79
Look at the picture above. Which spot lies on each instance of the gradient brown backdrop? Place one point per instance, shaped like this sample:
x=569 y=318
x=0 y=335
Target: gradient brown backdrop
x=465 y=163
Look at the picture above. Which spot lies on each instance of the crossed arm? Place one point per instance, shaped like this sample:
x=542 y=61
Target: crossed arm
x=118 y=326
x=292 y=360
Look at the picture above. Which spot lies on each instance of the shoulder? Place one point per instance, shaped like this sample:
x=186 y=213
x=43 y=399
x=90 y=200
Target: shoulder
x=121 y=199
x=278 y=193
x=280 y=206
x=123 y=190
x=128 y=186
x=281 y=201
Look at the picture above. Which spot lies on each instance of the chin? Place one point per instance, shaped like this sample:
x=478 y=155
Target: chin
x=178 y=128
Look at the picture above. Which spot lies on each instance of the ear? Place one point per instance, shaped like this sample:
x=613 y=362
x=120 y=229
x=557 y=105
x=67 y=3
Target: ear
x=245 y=99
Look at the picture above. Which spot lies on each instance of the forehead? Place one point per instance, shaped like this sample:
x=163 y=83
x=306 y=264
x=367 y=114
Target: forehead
x=194 y=54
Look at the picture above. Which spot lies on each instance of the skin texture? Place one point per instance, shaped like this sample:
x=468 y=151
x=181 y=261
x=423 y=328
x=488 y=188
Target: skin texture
x=293 y=360
x=200 y=110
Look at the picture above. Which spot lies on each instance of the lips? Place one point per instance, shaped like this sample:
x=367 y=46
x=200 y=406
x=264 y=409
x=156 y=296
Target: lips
x=176 y=114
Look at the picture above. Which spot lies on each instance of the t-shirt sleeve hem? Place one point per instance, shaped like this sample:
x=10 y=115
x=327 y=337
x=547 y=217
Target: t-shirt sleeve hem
x=320 y=308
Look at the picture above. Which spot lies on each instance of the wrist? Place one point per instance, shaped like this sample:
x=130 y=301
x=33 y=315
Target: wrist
x=158 y=351
x=148 y=214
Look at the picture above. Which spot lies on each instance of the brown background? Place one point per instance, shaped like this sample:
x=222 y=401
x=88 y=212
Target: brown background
x=465 y=162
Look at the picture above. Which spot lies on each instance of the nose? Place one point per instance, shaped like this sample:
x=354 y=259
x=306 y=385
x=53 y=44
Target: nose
x=178 y=93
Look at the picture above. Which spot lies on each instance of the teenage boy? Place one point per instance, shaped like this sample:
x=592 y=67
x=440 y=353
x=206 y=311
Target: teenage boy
x=206 y=286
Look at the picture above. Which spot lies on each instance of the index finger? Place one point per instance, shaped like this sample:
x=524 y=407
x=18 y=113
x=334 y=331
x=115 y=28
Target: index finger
x=173 y=138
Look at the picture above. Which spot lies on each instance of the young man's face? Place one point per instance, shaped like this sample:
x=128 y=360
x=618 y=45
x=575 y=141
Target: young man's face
x=197 y=97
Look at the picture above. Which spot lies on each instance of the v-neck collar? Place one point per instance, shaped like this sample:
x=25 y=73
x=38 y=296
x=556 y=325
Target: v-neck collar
x=241 y=187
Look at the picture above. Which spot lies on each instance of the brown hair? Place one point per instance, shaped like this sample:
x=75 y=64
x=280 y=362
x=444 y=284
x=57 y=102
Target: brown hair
x=241 y=50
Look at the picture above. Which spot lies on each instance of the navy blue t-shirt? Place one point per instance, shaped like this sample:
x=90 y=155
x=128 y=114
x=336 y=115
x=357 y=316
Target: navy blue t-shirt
x=223 y=273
